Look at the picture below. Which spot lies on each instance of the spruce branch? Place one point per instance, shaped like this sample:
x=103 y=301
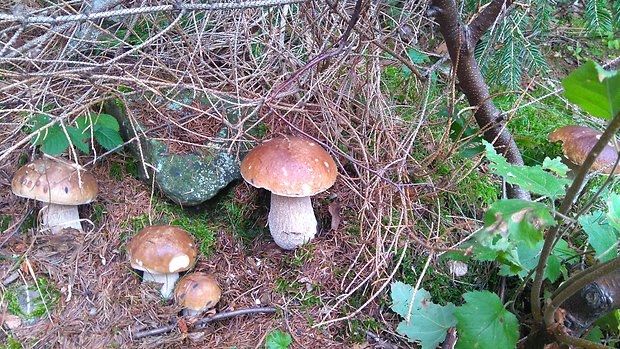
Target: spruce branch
x=460 y=43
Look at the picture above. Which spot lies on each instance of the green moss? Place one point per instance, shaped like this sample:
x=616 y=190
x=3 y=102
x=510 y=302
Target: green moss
x=11 y=343
x=48 y=297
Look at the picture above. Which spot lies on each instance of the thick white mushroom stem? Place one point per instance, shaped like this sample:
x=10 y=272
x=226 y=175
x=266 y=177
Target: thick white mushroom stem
x=167 y=280
x=57 y=217
x=291 y=221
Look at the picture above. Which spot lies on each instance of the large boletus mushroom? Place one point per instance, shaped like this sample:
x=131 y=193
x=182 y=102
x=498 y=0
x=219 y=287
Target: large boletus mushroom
x=293 y=169
x=161 y=252
x=59 y=185
x=197 y=292
x=578 y=141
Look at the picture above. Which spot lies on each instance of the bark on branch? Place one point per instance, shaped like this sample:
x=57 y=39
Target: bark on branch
x=461 y=40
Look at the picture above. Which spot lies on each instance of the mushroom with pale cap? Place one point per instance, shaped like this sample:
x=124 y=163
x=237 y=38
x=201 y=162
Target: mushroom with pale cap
x=578 y=141
x=61 y=186
x=197 y=292
x=293 y=169
x=162 y=251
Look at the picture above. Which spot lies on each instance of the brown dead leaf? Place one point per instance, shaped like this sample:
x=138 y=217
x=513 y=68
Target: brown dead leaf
x=334 y=211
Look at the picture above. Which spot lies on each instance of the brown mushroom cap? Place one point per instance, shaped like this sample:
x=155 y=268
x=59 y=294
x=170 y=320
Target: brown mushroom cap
x=289 y=166
x=54 y=182
x=197 y=291
x=161 y=249
x=578 y=141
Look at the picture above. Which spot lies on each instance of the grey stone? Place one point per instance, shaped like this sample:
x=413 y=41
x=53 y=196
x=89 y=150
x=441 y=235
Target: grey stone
x=187 y=179
x=28 y=300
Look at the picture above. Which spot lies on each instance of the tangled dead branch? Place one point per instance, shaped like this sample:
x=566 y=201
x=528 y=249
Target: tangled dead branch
x=58 y=63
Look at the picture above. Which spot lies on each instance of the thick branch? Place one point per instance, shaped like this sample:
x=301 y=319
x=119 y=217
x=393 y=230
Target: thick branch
x=489 y=15
x=590 y=301
x=461 y=48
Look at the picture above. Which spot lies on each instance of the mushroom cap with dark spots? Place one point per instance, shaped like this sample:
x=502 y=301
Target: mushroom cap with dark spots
x=197 y=291
x=289 y=166
x=54 y=182
x=578 y=141
x=162 y=249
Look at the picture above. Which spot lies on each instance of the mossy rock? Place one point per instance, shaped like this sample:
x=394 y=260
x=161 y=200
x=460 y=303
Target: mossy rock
x=190 y=178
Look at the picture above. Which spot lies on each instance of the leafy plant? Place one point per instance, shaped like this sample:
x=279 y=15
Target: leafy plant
x=56 y=138
x=278 y=340
x=513 y=236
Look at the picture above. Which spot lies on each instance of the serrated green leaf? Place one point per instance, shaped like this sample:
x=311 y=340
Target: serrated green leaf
x=601 y=236
x=531 y=178
x=556 y=165
x=401 y=296
x=106 y=121
x=77 y=139
x=429 y=324
x=83 y=123
x=528 y=259
x=518 y=220
x=594 y=90
x=484 y=323
x=54 y=141
x=108 y=138
x=278 y=340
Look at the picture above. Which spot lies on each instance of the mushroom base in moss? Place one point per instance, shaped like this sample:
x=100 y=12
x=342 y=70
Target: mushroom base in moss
x=57 y=217
x=291 y=221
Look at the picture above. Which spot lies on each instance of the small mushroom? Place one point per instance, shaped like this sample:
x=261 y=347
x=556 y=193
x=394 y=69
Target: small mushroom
x=161 y=252
x=293 y=169
x=578 y=141
x=197 y=292
x=59 y=186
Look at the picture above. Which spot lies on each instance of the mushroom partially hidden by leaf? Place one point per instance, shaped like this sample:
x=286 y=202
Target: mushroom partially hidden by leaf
x=59 y=185
x=293 y=169
x=197 y=292
x=578 y=141
x=162 y=251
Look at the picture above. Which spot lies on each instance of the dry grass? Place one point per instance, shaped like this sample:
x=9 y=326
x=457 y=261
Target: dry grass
x=388 y=196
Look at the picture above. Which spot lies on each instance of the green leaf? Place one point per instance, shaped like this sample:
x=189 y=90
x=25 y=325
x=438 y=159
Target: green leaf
x=53 y=141
x=613 y=215
x=106 y=121
x=595 y=90
x=532 y=178
x=429 y=322
x=108 y=138
x=601 y=236
x=595 y=335
x=278 y=340
x=556 y=165
x=401 y=296
x=528 y=259
x=77 y=139
x=417 y=57
x=484 y=323
x=518 y=220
